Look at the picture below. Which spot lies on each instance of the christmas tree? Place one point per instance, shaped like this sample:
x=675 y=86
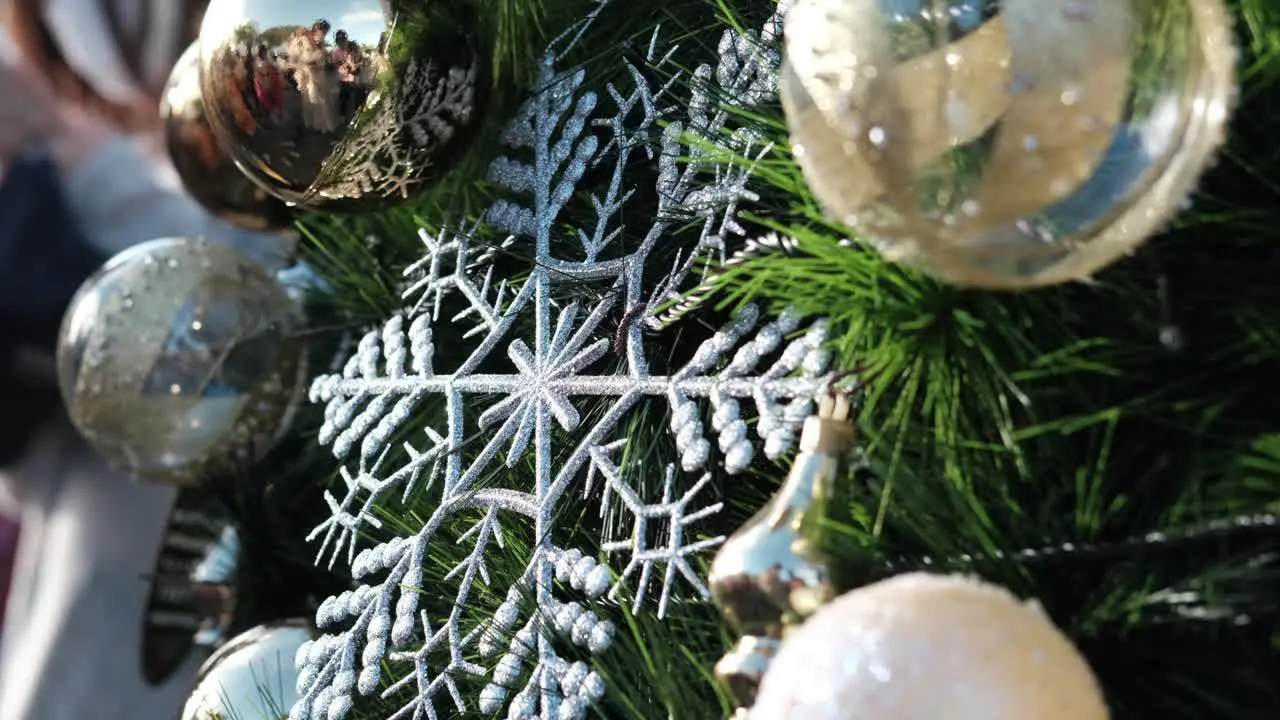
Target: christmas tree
x=582 y=357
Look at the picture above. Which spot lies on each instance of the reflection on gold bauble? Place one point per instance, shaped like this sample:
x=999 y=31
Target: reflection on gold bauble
x=353 y=112
x=251 y=677
x=1006 y=144
x=924 y=647
x=179 y=359
x=207 y=171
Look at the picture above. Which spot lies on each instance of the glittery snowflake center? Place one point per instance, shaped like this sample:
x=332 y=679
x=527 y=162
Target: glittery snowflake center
x=549 y=375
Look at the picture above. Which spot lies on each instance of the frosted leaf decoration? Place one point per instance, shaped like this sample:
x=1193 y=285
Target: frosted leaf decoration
x=548 y=376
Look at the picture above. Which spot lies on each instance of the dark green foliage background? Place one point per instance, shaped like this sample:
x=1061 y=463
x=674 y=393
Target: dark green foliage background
x=1050 y=437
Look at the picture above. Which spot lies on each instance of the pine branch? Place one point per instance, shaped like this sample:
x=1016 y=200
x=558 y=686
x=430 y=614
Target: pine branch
x=993 y=423
x=1065 y=417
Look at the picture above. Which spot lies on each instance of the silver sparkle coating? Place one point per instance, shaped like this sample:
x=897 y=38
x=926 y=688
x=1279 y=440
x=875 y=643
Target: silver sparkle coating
x=538 y=388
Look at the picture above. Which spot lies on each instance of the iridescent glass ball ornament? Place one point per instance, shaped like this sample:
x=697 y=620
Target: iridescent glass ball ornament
x=207 y=171
x=924 y=647
x=348 y=105
x=1006 y=144
x=179 y=360
x=252 y=676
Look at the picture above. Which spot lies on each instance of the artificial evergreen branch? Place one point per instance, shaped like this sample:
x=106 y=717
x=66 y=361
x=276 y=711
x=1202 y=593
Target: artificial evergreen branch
x=993 y=423
x=1061 y=417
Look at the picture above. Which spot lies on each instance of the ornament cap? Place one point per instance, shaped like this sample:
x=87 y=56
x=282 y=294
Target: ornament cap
x=741 y=670
x=193 y=585
x=829 y=432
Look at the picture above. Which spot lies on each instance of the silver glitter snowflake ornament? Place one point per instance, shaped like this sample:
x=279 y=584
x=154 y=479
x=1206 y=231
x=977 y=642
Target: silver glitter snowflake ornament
x=543 y=374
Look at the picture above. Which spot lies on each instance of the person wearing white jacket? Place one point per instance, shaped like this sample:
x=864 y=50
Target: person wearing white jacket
x=80 y=86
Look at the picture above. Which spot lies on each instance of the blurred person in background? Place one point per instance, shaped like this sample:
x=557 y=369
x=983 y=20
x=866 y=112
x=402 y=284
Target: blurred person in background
x=82 y=176
x=268 y=84
x=315 y=75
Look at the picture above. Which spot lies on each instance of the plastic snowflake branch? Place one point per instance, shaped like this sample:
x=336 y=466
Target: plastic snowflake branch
x=449 y=264
x=674 y=512
x=533 y=361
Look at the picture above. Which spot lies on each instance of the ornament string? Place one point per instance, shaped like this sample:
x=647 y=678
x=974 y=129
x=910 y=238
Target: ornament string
x=1171 y=336
x=1240 y=528
x=328 y=329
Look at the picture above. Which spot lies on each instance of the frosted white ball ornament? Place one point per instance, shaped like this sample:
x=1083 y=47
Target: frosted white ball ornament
x=923 y=647
x=253 y=676
x=180 y=359
x=1006 y=144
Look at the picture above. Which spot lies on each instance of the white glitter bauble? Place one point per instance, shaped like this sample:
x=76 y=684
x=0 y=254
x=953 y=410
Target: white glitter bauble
x=252 y=677
x=1006 y=143
x=924 y=647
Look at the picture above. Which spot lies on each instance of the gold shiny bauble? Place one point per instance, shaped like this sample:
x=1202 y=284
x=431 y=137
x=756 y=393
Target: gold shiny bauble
x=207 y=170
x=1006 y=144
x=343 y=105
x=252 y=677
x=924 y=647
x=179 y=359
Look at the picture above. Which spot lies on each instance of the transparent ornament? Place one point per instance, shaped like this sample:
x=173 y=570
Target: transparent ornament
x=923 y=647
x=1006 y=143
x=252 y=677
x=351 y=112
x=179 y=359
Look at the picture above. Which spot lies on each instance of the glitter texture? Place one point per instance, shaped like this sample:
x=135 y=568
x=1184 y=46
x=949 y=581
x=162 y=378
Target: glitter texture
x=923 y=647
x=534 y=365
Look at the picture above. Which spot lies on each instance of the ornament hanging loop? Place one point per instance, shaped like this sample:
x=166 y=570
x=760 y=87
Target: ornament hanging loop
x=771 y=574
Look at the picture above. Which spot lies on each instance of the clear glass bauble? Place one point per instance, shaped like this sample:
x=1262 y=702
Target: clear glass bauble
x=207 y=170
x=1006 y=143
x=180 y=358
x=349 y=105
x=253 y=676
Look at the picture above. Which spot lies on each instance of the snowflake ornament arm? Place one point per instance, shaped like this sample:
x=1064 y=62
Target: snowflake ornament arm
x=675 y=512
x=543 y=351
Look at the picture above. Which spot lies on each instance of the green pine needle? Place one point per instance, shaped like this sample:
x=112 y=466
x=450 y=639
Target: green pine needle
x=993 y=423
x=1003 y=421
